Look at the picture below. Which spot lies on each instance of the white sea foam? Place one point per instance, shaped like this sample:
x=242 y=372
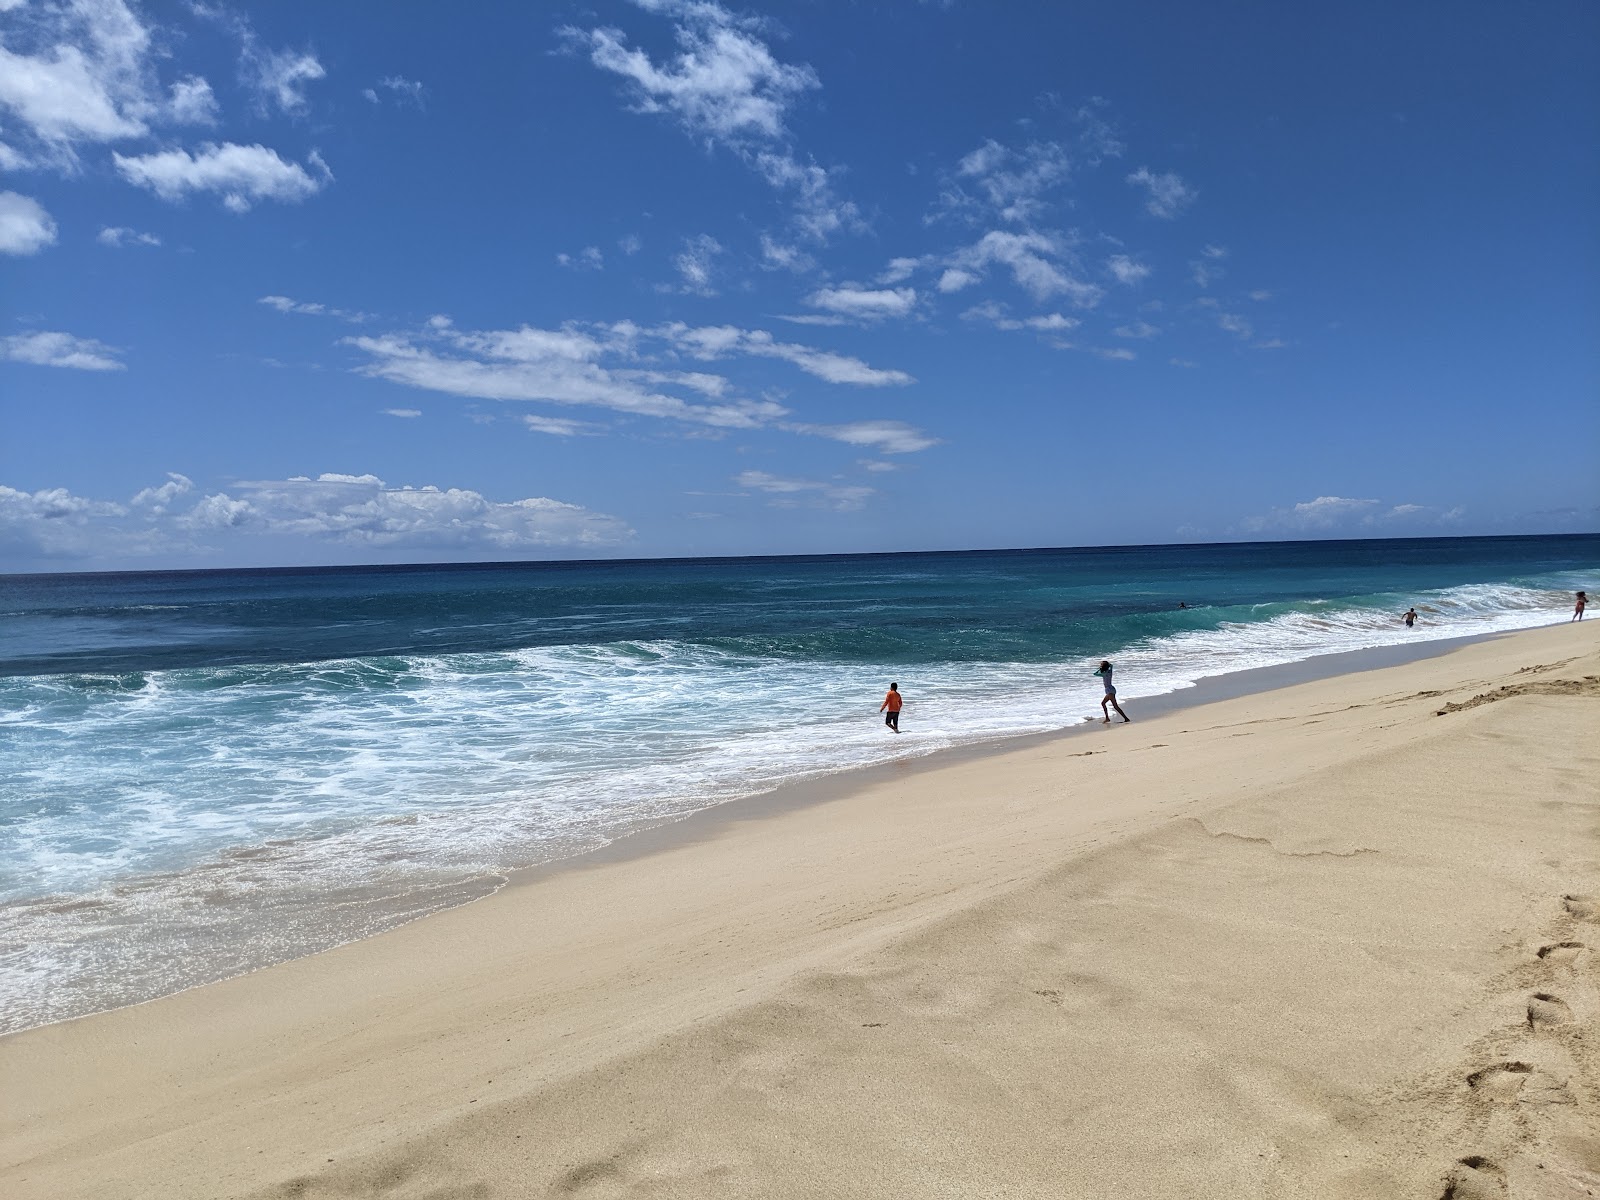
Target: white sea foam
x=180 y=826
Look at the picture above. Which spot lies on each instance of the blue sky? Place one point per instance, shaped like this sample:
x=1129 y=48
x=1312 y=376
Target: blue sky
x=313 y=283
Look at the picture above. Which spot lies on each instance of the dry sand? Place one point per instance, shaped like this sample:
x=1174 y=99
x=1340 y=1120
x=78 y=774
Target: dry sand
x=1317 y=942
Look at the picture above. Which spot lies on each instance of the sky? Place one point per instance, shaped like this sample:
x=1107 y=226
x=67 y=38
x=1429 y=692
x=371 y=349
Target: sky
x=300 y=283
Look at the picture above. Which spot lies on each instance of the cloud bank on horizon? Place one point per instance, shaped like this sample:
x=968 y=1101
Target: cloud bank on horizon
x=697 y=262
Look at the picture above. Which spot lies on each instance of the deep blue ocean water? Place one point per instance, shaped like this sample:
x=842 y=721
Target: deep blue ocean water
x=206 y=771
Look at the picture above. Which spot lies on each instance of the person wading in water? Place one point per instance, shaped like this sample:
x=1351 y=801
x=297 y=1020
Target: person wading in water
x=890 y=708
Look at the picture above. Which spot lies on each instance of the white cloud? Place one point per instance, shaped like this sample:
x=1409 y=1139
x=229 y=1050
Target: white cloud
x=556 y=426
x=587 y=259
x=1119 y=354
x=1261 y=294
x=712 y=342
x=1028 y=256
x=88 y=79
x=280 y=77
x=954 y=279
x=819 y=212
x=242 y=175
x=696 y=264
x=307 y=308
x=1235 y=324
x=345 y=510
x=403 y=90
x=863 y=303
x=1167 y=196
x=886 y=437
x=1136 y=329
x=877 y=465
x=539 y=365
x=996 y=315
x=842 y=497
x=159 y=499
x=25 y=227
x=777 y=256
x=117 y=236
x=1344 y=514
x=190 y=102
x=723 y=85
x=622 y=367
x=49 y=349
x=405 y=413
x=1125 y=270
x=1208 y=268
x=630 y=244
x=900 y=269
x=1010 y=183
x=824 y=364
x=84 y=73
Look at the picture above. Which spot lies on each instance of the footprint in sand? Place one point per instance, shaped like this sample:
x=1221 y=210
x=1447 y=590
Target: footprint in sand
x=1545 y=1010
x=1561 y=953
x=1502 y=1081
x=1585 y=908
x=1475 y=1178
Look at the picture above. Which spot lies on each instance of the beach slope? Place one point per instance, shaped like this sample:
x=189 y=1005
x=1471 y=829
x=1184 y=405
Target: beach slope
x=1336 y=940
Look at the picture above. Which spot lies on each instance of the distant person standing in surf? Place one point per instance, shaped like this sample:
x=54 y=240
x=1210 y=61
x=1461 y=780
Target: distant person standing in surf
x=1111 y=693
x=1410 y=618
x=890 y=708
x=1577 y=609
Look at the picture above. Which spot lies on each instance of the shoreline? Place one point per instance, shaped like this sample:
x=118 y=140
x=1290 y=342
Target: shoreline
x=649 y=836
x=1168 y=963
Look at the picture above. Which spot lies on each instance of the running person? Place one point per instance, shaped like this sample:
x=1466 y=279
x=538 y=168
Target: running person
x=890 y=708
x=1577 y=609
x=1410 y=618
x=1111 y=693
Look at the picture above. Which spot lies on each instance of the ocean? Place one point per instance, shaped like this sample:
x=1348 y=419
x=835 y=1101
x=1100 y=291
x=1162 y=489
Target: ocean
x=204 y=772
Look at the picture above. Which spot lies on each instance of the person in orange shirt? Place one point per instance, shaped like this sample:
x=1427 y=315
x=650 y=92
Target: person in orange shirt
x=891 y=707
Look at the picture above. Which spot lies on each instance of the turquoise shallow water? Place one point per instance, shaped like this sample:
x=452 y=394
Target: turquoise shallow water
x=206 y=771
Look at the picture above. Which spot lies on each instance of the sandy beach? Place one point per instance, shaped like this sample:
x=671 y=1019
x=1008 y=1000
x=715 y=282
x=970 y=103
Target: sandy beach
x=1340 y=939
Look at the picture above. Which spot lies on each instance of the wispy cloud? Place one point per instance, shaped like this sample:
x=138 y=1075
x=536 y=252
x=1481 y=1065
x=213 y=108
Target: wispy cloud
x=1166 y=195
x=1005 y=182
x=1345 y=514
x=1136 y=329
x=307 y=308
x=1125 y=270
x=54 y=349
x=725 y=87
x=885 y=437
x=791 y=492
x=117 y=236
x=399 y=89
x=622 y=367
x=996 y=315
x=1034 y=260
x=696 y=264
x=1235 y=324
x=588 y=259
